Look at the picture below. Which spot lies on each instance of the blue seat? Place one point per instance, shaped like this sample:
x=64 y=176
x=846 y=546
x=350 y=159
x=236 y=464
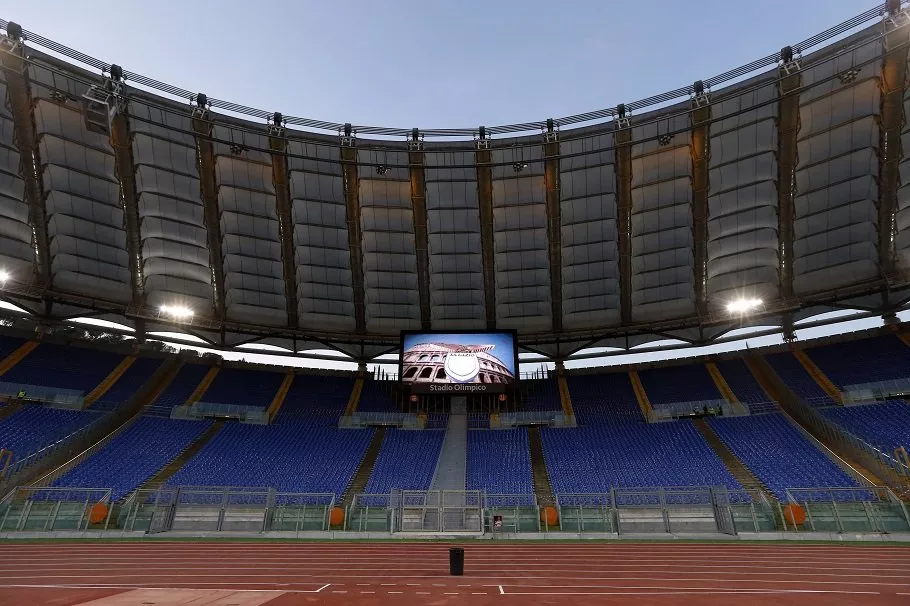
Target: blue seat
x=745 y=387
x=779 y=454
x=293 y=456
x=791 y=372
x=671 y=384
x=244 y=386
x=499 y=462
x=134 y=456
x=407 y=461
x=34 y=427
x=885 y=425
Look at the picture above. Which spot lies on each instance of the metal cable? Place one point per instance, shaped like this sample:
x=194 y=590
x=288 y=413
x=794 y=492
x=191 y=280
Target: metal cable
x=602 y=114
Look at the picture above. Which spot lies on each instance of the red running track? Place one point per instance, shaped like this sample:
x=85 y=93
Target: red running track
x=250 y=574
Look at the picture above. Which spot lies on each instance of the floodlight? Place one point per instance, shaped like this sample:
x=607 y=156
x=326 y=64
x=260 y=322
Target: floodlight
x=742 y=306
x=4 y=276
x=177 y=312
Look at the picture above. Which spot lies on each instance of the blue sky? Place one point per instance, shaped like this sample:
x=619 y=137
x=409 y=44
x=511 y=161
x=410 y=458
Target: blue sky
x=503 y=343
x=435 y=63
x=430 y=63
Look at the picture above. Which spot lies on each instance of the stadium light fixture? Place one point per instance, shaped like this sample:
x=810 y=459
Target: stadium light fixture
x=177 y=312
x=743 y=306
x=4 y=276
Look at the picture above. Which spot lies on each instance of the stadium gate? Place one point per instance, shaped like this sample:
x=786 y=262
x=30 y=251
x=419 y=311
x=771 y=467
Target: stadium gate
x=438 y=511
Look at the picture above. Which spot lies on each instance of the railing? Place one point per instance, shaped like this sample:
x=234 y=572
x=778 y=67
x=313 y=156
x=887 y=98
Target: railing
x=64 y=398
x=205 y=410
x=673 y=410
x=367 y=419
x=876 y=390
x=695 y=510
x=555 y=418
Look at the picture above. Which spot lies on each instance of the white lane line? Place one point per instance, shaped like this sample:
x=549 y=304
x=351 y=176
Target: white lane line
x=323 y=587
x=478 y=593
x=450 y=593
x=501 y=590
x=708 y=592
x=394 y=592
x=175 y=577
x=367 y=592
x=422 y=593
x=134 y=586
x=413 y=584
x=339 y=591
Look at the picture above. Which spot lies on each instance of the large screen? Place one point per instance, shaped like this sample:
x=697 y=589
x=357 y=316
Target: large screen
x=458 y=362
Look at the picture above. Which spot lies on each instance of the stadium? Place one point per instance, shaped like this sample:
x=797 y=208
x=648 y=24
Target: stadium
x=447 y=408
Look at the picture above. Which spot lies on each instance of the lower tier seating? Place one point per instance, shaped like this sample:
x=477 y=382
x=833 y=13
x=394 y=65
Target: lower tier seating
x=779 y=454
x=134 y=456
x=292 y=457
x=34 y=427
x=885 y=425
x=499 y=462
x=632 y=455
x=407 y=461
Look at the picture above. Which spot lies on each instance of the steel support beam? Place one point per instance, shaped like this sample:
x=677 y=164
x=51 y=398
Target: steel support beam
x=421 y=239
x=700 y=150
x=483 y=161
x=624 y=219
x=893 y=83
x=554 y=221
x=787 y=131
x=126 y=174
x=278 y=149
x=205 y=154
x=15 y=68
x=352 y=208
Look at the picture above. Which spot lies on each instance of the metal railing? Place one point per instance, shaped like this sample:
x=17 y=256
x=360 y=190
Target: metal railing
x=875 y=390
x=621 y=511
x=207 y=410
x=65 y=398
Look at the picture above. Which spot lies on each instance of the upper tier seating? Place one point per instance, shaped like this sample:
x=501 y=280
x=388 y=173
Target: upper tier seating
x=76 y=368
x=791 y=372
x=779 y=454
x=290 y=456
x=318 y=400
x=140 y=371
x=595 y=459
x=690 y=383
x=885 y=425
x=180 y=388
x=34 y=427
x=375 y=397
x=7 y=346
x=407 y=461
x=600 y=398
x=541 y=394
x=746 y=389
x=499 y=462
x=883 y=358
x=243 y=386
x=134 y=456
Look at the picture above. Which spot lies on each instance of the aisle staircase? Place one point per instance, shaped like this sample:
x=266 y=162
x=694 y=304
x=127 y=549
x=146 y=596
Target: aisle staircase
x=278 y=401
x=451 y=469
x=166 y=473
x=565 y=397
x=16 y=357
x=108 y=382
x=818 y=376
x=734 y=465
x=724 y=388
x=539 y=474
x=643 y=403
x=354 y=400
x=203 y=385
x=365 y=469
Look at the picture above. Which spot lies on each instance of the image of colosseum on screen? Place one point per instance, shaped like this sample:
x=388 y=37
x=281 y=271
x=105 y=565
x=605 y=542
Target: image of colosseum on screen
x=458 y=358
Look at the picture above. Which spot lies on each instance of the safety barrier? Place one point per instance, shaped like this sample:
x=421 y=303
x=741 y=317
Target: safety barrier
x=877 y=390
x=625 y=511
x=206 y=410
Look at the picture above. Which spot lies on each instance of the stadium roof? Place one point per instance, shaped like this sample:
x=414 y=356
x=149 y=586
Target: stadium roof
x=117 y=201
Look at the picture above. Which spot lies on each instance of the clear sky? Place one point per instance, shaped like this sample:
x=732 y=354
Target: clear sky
x=430 y=63
x=434 y=63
